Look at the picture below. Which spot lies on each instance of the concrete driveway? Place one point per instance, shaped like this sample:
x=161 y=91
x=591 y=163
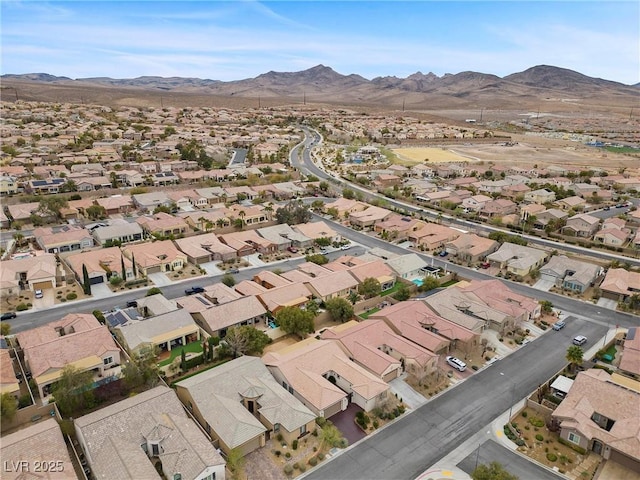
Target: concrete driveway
x=409 y=396
x=48 y=299
x=159 y=279
x=211 y=268
x=100 y=290
x=544 y=285
x=607 y=303
x=254 y=260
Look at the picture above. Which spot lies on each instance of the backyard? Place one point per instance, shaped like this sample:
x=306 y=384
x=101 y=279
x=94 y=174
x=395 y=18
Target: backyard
x=167 y=358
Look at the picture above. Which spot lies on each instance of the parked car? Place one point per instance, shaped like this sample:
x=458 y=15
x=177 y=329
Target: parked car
x=8 y=316
x=443 y=253
x=559 y=325
x=607 y=208
x=132 y=303
x=345 y=247
x=38 y=294
x=579 y=340
x=194 y=290
x=485 y=265
x=293 y=249
x=233 y=270
x=456 y=363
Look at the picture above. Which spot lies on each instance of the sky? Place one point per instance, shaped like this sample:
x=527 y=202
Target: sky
x=233 y=40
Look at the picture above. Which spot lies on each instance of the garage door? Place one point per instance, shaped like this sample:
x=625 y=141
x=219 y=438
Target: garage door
x=157 y=269
x=625 y=460
x=42 y=285
x=96 y=280
x=548 y=278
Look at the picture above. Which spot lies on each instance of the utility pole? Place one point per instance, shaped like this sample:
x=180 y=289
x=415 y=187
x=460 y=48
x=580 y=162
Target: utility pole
x=403 y=104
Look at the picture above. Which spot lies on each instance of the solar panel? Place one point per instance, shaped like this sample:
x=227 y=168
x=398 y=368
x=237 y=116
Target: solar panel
x=631 y=333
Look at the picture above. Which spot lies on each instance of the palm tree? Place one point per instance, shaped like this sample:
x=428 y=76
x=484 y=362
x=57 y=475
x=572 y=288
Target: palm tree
x=220 y=222
x=574 y=356
x=242 y=214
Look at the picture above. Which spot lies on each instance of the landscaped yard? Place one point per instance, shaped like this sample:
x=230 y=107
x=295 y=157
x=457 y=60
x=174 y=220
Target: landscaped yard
x=193 y=347
x=371 y=311
x=392 y=290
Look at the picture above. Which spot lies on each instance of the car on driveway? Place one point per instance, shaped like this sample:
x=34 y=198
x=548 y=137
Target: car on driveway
x=579 y=340
x=456 y=363
x=8 y=316
x=345 y=247
x=38 y=294
x=559 y=325
x=194 y=290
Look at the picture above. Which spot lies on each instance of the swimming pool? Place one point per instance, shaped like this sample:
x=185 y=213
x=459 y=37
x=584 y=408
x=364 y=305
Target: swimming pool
x=418 y=282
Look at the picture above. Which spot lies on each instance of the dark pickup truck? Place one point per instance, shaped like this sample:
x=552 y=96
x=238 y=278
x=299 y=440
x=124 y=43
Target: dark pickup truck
x=194 y=290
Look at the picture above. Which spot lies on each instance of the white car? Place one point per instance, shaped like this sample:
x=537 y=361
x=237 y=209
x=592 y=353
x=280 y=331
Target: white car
x=345 y=247
x=38 y=294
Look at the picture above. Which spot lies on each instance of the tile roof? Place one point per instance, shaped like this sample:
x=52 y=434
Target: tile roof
x=41 y=442
x=621 y=281
x=158 y=329
x=332 y=283
x=594 y=392
x=231 y=313
x=114 y=434
x=561 y=265
x=218 y=394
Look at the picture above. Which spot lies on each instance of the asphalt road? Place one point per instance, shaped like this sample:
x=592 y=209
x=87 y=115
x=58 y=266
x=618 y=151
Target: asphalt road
x=302 y=160
x=515 y=464
x=406 y=448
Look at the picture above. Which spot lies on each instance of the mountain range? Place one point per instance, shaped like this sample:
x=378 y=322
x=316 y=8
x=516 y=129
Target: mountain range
x=323 y=84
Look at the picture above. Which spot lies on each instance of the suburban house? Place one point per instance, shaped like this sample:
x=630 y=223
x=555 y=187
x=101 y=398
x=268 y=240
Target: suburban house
x=498 y=208
x=241 y=406
x=549 y=215
x=118 y=231
x=433 y=236
x=613 y=236
x=77 y=339
x=316 y=230
x=581 y=225
x=570 y=274
x=476 y=202
x=205 y=248
x=248 y=242
x=164 y=331
x=156 y=257
x=8 y=382
x=369 y=217
x=324 y=379
x=471 y=248
x=376 y=269
x=31 y=273
x=285 y=232
x=100 y=265
x=148 y=436
x=574 y=202
x=630 y=361
x=219 y=317
x=41 y=443
x=602 y=416
x=332 y=285
x=517 y=259
x=116 y=204
x=147 y=202
x=345 y=206
x=64 y=239
x=417 y=322
x=619 y=284
x=294 y=294
x=484 y=304
x=8 y=185
x=397 y=227
x=162 y=224
x=375 y=346
x=408 y=267
x=542 y=195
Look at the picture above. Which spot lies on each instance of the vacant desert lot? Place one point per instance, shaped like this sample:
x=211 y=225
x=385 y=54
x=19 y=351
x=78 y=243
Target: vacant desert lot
x=413 y=156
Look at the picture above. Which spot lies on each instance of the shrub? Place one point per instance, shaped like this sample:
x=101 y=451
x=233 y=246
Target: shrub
x=524 y=414
x=315 y=449
x=303 y=468
x=294 y=444
x=277 y=453
x=321 y=456
x=288 y=469
x=536 y=422
x=520 y=442
x=375 y=424
x=279 y=437
x=313 y=461
x=296 y=466
x=575 y=447
x=321 y=421
x=288 y=455
x=552 y=457
x=21 y=307
x=72 y=296
x=539 y=437
x=474 y=368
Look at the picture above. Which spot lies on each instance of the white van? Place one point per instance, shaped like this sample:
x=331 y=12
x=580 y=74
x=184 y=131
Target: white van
x=456 y=363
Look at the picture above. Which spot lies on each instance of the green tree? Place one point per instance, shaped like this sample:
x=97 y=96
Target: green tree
x=348 y=193
x=141 y=369
x=5 y=329
x=317 y=205
x=574 y=356
x=493 y=471
x=403 y=293
x=228 y=280
x=183 y=360
x=86 y=282
x=51 y=206
x=74 y=390
x=133 y=266
x=296 y=321
x=153 y=291
x=95 y=212
x=8 y=406
x=317 y=258
x=246 y=340
x=340 y=309
x=369 y=288
x=546 y=305
x=123 y=270
x=329 y=436
x=333 y=212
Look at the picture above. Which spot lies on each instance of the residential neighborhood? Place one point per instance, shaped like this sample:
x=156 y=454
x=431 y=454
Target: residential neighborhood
x=219 y=319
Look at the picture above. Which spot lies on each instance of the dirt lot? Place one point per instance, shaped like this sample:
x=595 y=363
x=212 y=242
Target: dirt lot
x=414 y=156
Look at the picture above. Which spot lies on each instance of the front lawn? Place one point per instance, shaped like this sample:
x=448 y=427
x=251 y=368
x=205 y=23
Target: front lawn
x=193 y=347
x=366 y=314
